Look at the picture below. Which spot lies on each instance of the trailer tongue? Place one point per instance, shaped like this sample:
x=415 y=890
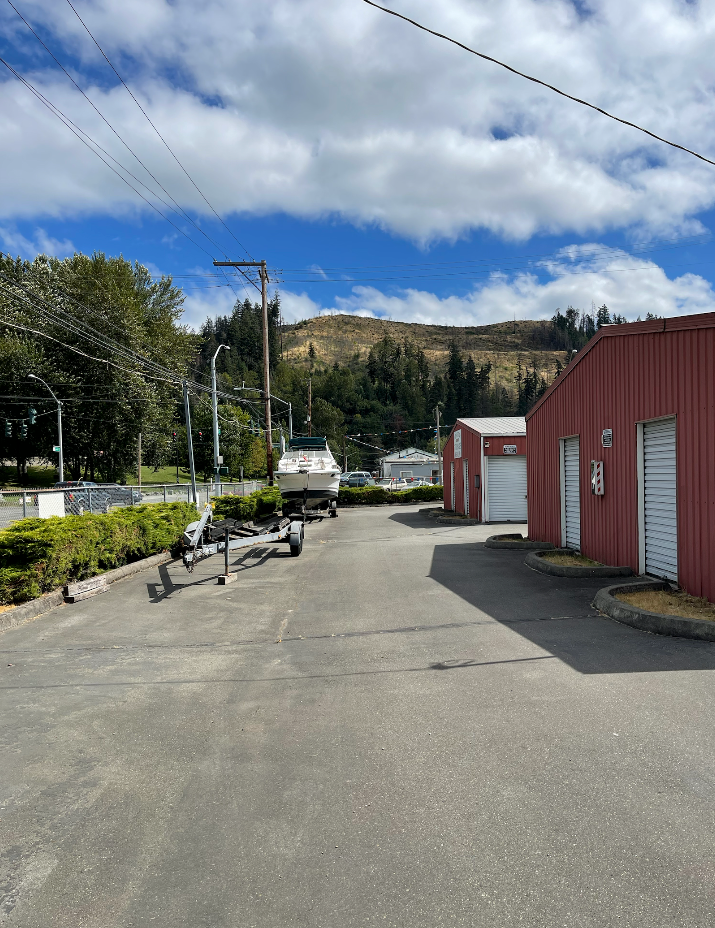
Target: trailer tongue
x=205 y=538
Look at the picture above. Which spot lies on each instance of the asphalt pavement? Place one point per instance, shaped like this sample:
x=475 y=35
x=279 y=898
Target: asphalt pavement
x=401 y=727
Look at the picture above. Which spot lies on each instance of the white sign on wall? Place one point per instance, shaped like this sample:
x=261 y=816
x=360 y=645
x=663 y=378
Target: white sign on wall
x=509 y=449
x=458 y=443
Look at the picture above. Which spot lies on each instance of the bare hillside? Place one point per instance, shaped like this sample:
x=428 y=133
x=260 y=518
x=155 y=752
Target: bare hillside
x=342 y=338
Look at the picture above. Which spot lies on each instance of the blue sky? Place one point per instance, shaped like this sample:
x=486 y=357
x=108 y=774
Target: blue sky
x=384 y=172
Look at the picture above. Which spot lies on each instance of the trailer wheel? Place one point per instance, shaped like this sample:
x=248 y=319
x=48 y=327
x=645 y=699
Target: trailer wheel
x=333 y=509
x=296 y=542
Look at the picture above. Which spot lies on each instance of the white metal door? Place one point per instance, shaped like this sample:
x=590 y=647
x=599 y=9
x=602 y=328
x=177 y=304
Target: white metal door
x=506 y=488
x=660 y=499
x=451 y=483
x=571 y=491
x=465 y=467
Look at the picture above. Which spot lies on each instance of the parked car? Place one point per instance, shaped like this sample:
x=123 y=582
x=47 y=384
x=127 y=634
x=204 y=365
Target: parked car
x=122 y=496
x=345 y=479
x=360 y=480
x=84 y=496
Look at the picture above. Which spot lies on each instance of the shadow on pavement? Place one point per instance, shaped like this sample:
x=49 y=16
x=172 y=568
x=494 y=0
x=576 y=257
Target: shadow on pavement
x=413 y=519
x=500 y=585
x=254 y=557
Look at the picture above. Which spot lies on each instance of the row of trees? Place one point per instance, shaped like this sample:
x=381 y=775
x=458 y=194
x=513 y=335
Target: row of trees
x=80 y=325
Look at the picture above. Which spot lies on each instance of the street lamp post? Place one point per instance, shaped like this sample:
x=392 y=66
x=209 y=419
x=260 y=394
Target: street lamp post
x=61 y=467
x=215 y=411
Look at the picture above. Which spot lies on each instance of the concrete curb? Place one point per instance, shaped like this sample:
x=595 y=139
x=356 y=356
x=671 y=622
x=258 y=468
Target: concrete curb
x=534 y=560
x=452 y=520
x=512 y=543
x=43 y=604
x=675 y=626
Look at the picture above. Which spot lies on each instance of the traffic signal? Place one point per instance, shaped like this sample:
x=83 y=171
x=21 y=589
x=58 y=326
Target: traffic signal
x=32 y=415
x=23 y=429
x=8 y=429
x=173 y=436
x=219 y=431
x=201 y=436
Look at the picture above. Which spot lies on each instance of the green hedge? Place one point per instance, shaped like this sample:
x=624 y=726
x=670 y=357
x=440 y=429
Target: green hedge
x=261 y=503
x=371 y=496
x=39 y=555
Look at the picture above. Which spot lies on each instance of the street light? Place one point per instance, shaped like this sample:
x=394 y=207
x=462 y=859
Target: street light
x=61 y=468
x=215 y=412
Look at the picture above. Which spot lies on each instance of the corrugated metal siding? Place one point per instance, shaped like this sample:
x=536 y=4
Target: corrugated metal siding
x=624 y=379
x=496 y=444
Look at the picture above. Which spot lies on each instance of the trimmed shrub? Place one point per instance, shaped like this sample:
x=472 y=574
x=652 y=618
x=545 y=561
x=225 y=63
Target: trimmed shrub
x=39 y=555
x=372 y=496
x=244 y=508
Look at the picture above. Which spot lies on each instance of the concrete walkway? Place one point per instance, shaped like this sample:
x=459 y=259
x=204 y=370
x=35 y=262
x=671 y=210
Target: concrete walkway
x=399 y=728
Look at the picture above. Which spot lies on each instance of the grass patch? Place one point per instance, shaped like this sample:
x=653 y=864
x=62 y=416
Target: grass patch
x=665 y=602
x=569 y=560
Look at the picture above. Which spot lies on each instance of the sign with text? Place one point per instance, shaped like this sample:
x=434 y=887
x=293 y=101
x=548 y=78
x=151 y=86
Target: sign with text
x=509 y=449
x=458 y=443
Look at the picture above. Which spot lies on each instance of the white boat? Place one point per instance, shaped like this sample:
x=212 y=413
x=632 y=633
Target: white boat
x=307 y=475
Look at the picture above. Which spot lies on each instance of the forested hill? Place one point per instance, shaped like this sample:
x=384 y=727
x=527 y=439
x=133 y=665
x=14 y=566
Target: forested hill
x=343 y=339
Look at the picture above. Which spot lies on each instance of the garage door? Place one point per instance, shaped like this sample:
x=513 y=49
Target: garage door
x=572 y=495
x=660 y=489
x=506 y=488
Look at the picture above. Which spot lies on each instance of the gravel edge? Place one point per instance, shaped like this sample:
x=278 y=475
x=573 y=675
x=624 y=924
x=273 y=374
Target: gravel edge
x=43 y=604
x=534 y=561
x=675 y=626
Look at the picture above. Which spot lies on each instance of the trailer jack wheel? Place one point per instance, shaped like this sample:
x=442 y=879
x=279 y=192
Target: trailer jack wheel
x=296 y=540
x=333 y=509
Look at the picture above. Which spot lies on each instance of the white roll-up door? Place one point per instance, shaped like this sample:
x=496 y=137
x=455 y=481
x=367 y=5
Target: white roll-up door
x=572 y=494
x=506 y=488
x=660 y=502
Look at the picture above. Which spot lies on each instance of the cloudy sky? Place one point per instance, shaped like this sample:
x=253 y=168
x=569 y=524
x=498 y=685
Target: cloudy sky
x=380 y=170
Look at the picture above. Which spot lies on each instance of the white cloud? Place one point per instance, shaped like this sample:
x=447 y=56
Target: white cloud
x=315 y=109
x=629 y=286
x=41 y=244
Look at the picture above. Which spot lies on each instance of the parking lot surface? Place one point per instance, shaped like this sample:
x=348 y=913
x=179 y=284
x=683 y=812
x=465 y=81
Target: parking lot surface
x=401 y=727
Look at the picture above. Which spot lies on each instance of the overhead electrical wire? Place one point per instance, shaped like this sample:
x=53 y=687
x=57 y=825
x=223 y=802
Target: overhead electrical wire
x=166 y=144
x=535 y=80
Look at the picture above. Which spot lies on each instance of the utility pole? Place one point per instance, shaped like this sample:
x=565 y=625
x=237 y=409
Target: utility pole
x=345 y=457
x=266 y=354
x=189 y=441
x=290 y=421
x=439 y=445
x=61 y=466
x=139 y=459
x=310 y=406
x=214 y=404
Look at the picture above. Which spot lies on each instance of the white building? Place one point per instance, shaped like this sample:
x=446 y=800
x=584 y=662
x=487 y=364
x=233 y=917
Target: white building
x=412 y=462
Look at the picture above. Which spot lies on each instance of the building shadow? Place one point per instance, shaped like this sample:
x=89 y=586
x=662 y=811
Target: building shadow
x=555 y=613
x=413 y=519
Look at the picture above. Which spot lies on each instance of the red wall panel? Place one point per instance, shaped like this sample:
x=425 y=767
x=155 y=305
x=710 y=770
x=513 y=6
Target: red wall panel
x=631 y=374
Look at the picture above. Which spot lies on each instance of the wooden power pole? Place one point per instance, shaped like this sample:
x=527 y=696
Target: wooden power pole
x=266 y=355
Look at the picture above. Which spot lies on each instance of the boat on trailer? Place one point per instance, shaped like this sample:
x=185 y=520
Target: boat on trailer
x=308 y=476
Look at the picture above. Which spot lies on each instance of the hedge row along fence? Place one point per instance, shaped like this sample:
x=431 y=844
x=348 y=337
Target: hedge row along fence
x=256 y=506
x=372 y=496
x=39 y=555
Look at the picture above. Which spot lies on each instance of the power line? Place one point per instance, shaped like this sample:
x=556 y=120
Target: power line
x=80 y=133
x=111 y=127
x=168 y=148
x=536 y=80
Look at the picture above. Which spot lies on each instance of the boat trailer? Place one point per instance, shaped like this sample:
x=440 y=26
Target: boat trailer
x=205 y=538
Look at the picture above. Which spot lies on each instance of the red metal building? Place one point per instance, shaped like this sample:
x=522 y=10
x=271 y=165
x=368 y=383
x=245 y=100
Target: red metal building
x=622 y=451
x=484 y=469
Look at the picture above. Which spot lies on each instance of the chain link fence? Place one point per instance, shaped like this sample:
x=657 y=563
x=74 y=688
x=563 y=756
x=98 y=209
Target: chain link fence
x=43 y=503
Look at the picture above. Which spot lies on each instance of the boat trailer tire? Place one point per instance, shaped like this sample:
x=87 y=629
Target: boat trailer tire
x=295 y=539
